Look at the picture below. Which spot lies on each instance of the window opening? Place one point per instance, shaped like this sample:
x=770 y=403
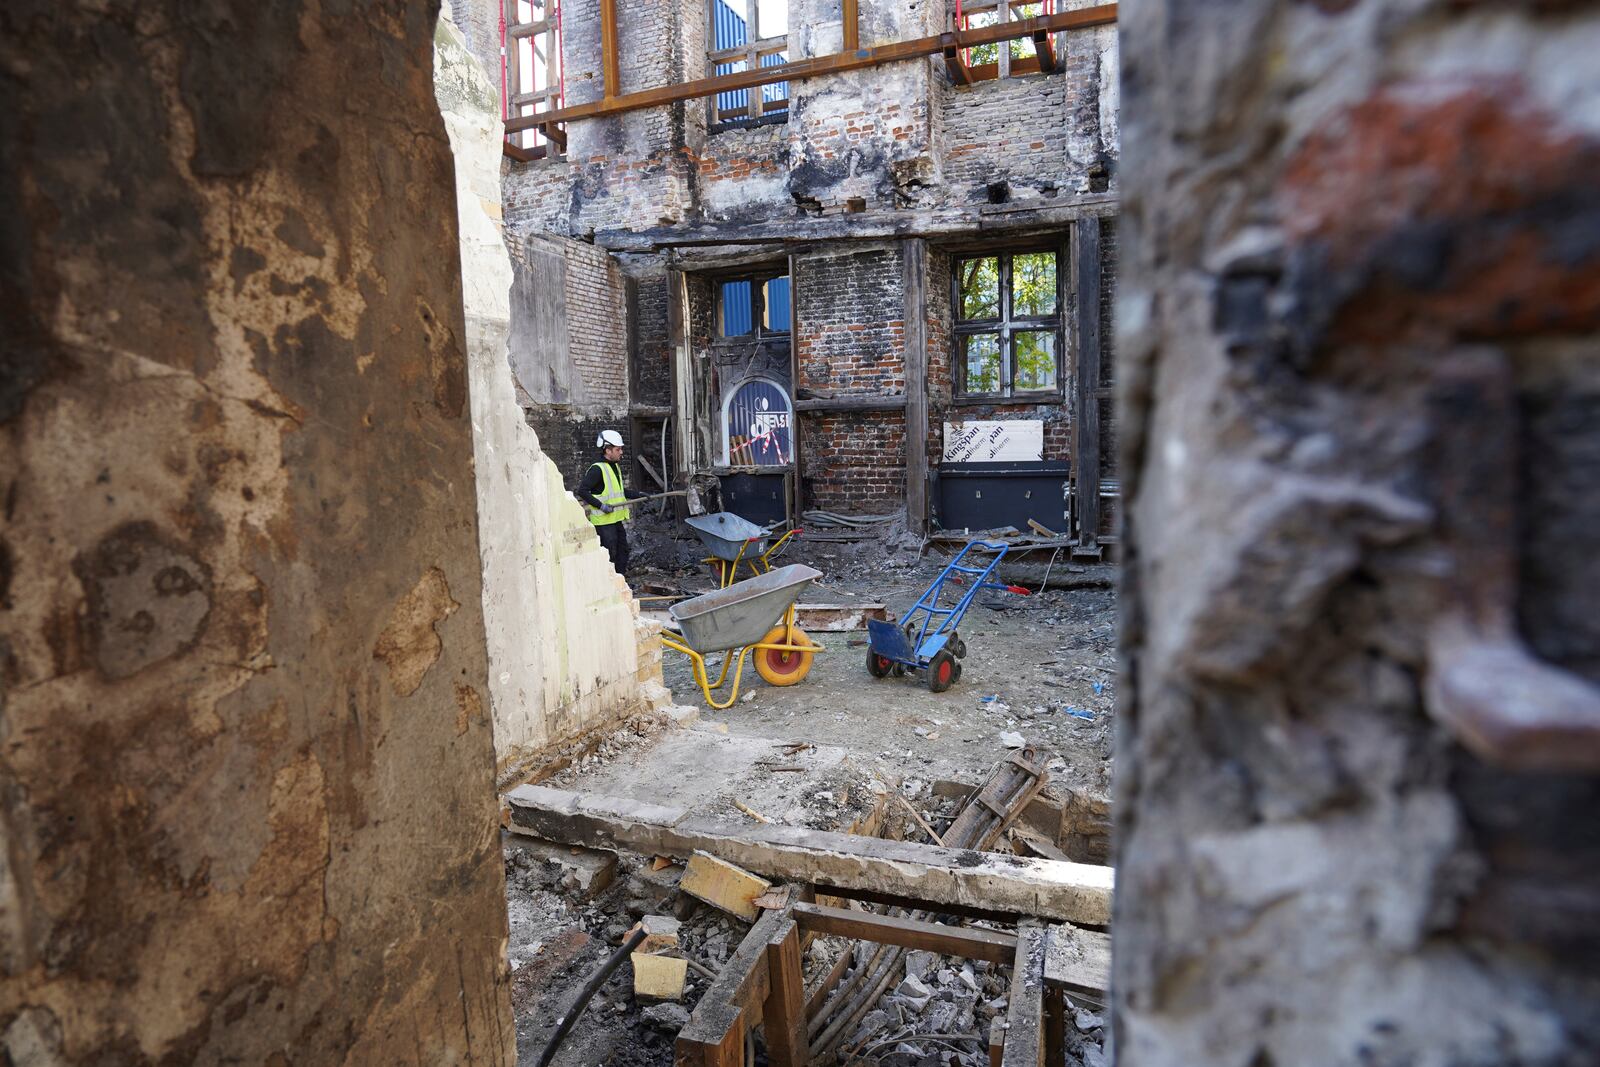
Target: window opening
x=756 y=425
x=1008 y=324
x=1002 y=59
x=749 y=35
x=533 y=81
x=750 y=305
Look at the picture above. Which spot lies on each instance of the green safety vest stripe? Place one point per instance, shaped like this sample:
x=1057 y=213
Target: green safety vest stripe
x=611 y=492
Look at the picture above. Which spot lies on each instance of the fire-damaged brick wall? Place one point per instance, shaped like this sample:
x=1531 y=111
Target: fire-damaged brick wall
x=896 y=144
x=850 y=306
x=855 y=462
x=652 y=343
x=569 y=345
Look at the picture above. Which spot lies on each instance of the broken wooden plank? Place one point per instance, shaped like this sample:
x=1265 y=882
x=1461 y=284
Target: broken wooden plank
x=660 y=931
x=714 y=1036
x=991 y=945
x=784 y=1013
x=723 y=885
x=1025 y=1012
x=1078 y=960
x=1049 y=889
x=1036 y=844
x=658 y=978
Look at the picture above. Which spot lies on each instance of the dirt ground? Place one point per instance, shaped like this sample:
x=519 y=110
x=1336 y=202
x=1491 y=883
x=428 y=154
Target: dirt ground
x=1043 y=666
x=827 y=753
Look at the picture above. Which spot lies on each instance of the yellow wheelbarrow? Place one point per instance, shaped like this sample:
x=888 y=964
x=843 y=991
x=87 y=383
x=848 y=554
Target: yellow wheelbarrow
x=733 y=540
x=755 y=615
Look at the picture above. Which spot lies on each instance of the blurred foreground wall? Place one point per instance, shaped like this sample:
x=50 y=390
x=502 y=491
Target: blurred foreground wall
x=1360 y=324
x=246 y=782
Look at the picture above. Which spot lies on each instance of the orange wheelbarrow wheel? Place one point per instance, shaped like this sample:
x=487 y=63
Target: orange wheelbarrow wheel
x=778 y=666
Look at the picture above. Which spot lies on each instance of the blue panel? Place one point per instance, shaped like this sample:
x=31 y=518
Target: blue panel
x=729 y=27
x=777 y=90
x=777 y=320
x=736 y=318
x=739 y=99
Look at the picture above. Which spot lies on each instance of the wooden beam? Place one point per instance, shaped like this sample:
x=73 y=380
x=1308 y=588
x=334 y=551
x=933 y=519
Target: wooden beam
x=914 y=263
x=608 y=50
x=1078 y=960
x=715 y=1034
x=829 y=404
x=784 y=1014
x=1086 y=416
x=973 y=944
x=911 y=903
x=1025 y=1014
x=852 y=25
x=838 y=63
x=1050 y=889
x=871 y=226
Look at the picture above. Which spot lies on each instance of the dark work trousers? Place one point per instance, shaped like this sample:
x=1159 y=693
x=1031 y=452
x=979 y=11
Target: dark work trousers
x=615 y=537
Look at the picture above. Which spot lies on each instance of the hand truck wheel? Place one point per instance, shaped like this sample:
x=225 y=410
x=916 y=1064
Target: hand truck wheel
x=879 y=666
x=943 y=670
x=957 y=646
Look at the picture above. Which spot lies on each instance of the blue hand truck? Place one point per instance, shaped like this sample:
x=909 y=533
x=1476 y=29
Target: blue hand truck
x=926 y=638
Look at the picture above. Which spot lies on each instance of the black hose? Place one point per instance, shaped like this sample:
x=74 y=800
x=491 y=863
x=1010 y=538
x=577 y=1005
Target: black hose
x=590 y=988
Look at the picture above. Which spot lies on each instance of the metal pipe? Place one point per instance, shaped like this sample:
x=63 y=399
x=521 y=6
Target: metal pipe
x=590 y=988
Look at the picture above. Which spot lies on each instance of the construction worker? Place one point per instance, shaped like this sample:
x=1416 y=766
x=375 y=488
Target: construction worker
x=605 y=498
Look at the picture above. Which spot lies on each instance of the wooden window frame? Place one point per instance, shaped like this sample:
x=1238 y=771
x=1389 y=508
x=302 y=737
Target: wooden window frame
x=756 y=110
x=758 y=305
x=964 y=71
x=539 y=142
x=1006 y=325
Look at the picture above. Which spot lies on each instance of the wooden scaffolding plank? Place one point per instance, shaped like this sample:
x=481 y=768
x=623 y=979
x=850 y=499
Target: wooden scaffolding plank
x=714 y=1036
x=1025 y=1013
x=785 y=1009
x=1078 y=960
x=990 y=945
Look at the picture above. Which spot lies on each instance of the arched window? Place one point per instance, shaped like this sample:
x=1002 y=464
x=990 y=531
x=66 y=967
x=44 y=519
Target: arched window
x=756 y=425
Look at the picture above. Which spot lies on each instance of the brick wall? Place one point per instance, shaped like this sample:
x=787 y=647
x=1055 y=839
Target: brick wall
x=568 y=438
x=890 y=137
x=855 y=462
x=652 y=368
x=597 y=327
x=851 y=308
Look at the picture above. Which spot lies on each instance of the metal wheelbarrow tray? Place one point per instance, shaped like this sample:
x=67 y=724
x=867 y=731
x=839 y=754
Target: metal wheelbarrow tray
x=743 y=613
x=727 y=536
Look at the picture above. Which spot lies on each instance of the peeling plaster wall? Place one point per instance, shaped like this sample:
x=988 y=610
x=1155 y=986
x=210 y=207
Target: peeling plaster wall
x=564 y=639
x=247 y=782
x=1358 y=328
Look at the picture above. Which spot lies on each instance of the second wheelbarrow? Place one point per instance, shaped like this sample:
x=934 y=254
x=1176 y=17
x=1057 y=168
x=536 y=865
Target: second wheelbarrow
x=755 y=615
x=732 y=539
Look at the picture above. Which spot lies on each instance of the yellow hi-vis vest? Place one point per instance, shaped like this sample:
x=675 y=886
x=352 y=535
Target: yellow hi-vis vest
x=612 y=493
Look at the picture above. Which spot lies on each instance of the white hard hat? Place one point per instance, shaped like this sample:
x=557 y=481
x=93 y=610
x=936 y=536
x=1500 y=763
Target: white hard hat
x=608 y=437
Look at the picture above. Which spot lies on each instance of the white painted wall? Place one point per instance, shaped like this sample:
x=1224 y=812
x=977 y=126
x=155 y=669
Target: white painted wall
x=567 y=651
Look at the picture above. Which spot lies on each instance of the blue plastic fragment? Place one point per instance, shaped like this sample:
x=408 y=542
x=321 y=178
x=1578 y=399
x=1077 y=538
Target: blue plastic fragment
x=1078 y=713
